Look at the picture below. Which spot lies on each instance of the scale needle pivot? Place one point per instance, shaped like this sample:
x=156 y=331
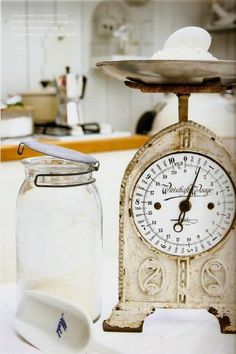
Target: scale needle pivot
x=185 y=206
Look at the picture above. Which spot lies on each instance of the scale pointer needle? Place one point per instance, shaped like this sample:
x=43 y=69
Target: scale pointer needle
x=185 y=206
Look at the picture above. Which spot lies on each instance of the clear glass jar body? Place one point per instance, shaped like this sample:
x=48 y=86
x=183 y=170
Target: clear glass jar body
x=59 y=232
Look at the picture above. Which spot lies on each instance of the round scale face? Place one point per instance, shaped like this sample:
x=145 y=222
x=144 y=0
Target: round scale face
x=183 y=204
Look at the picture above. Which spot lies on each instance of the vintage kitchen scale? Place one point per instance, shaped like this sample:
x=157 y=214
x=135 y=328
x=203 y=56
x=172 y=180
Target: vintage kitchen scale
x=177 y=205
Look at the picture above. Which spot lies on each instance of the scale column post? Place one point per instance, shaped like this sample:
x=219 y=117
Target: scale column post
x=183 y=106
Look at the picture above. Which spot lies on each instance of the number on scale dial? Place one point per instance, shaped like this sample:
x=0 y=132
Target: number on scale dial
x=183 y=204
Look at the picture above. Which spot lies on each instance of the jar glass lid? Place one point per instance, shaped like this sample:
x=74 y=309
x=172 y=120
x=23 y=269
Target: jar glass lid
x=59 y=152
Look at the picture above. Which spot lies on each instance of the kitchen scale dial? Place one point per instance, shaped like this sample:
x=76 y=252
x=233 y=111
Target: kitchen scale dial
x=183 y=204
x=177 y=205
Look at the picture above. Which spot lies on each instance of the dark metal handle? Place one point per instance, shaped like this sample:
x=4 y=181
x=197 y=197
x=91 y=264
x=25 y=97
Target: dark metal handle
x=90 y=127
x=21 y=148
x=83 y=86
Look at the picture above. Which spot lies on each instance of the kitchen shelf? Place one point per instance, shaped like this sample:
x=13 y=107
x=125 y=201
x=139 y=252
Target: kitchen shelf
x=9 y=152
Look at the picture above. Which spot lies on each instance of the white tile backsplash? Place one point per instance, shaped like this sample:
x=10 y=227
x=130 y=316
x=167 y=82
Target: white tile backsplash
x=106 y=100
x=14 y=51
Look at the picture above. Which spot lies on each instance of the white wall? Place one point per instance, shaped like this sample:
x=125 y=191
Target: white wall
x=107 y=100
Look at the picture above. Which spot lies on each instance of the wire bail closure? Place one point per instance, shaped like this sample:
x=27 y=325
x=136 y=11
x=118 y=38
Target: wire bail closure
x=21 y=148
x=62 y=154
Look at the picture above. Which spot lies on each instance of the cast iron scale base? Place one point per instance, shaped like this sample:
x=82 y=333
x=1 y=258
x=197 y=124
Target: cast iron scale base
x=152 y=278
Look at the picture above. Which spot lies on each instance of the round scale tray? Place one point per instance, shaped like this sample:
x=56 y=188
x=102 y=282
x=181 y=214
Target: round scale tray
x=170 y=71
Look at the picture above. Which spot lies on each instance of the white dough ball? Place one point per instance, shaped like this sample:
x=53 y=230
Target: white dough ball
x=190 y=37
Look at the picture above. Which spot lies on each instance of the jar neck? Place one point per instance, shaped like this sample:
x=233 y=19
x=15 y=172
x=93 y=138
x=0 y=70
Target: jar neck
x=51 y=172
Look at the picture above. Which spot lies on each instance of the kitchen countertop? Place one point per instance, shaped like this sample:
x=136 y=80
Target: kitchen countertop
x=99 y=144
x=165 y=331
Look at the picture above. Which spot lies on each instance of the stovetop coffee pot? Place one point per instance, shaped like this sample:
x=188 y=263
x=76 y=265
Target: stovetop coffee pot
x=70 y=91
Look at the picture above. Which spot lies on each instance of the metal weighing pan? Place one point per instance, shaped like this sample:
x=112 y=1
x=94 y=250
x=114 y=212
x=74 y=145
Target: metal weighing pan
x=170 y=71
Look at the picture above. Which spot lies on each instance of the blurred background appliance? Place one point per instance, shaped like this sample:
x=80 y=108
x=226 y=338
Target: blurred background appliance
x=70 y=91
x=44 y=102
x=215 y=111
x=58 y=106
x=145 y=122
x=16 y=121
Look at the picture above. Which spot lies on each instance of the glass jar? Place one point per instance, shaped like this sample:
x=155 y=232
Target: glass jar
x=59 y=232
